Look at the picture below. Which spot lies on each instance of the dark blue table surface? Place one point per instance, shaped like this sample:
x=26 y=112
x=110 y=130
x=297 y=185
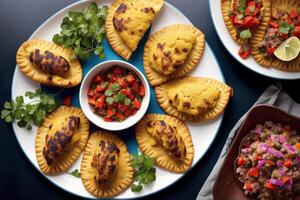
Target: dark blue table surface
x=20 y=180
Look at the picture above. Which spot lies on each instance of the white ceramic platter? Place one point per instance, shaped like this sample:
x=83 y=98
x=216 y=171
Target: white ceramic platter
x=202 y=135
x=233 y=48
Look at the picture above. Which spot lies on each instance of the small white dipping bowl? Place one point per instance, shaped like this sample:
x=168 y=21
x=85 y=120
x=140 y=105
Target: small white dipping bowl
x=97 y=119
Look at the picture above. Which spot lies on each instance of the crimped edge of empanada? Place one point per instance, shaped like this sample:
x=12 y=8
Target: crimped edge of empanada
x=42 y=77
x=72 y=154
x=226 y=8
x=165 y=161
x=113 y=36
x=163 y=100
x=156 y=78
x=86 y=176
x=257 y=38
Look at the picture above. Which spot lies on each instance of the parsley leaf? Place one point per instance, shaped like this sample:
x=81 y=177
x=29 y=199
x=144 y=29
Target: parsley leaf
x=144 y=171
x=27 y=113
x=83 y=31
x=75 y=173
x=245 y=34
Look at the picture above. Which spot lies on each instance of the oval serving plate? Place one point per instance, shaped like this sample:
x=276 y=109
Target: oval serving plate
x=202 y=135
x=233 y=48
x=227 y=185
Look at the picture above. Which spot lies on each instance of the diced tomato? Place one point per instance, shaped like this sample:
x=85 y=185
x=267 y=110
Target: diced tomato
x=134 y=111
x=270 y=162
x=257 y=157
x=127 y=112
x=248 y=186
x=297 y=31
x=136 y=104
x=130 y=79
x=293 y=14
x=251 y=3
x=241 y=161
x=274 y=24
x=142 y=91
x=244 y=54
x=120 y=116
x=118 y=71
x=99 y=88
x=67 y=100
x=287 y=128
x=121 y=82
x=91 y=92
x=107 y=119
x=236 y=21
x=100 y=102
x=122 y=108
x=251 y=22
x=288 y=163
x=269 y=186
x=284 y=36
x=271 y=50
x=136 y=87
x=97 y=79
x=285 y=179
x=92 y=101
x=110 y=113
x=253 y=172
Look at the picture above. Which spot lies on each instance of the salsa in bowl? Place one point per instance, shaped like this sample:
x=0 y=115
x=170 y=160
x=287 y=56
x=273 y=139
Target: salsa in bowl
x=114 y=95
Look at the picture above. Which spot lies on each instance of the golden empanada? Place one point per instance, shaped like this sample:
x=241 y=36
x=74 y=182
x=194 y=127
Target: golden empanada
x=167 y=140
x=172 y=52
x=126 y=23
x=49 y=63
x=60 y=139
x=193 y=98
x=106 y=166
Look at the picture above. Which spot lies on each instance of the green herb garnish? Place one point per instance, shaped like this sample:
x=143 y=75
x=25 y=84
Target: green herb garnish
x=115 y=87
x=127 y=101
x=242 y=6
x=285 y=28
x=144 y=171
x=75 y=173
x=119 y=98
x=83 y=31
x=27 y=113
x=109 y=100
x=245 y=34
x=108 y=93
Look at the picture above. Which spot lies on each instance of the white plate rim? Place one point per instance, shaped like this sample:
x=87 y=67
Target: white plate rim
x=14 y=126
x=235 y=55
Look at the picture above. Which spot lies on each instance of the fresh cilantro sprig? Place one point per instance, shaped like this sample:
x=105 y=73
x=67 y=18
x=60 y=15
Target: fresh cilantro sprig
x=245 y=34
x=75 y=173
x=144 y=171
x=83 y=31
x=27 y=113
x=286 y=28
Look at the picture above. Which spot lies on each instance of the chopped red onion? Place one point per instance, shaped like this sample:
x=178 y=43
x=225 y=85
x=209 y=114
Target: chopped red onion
x=276 y=182
x=260 y=164
x=275 y=153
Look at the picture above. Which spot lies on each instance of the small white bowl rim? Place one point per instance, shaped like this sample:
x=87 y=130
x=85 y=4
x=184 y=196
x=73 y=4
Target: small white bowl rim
x=96 y=119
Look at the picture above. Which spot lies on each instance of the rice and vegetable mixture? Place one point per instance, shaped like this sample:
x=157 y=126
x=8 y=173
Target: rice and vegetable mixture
x=269 y=162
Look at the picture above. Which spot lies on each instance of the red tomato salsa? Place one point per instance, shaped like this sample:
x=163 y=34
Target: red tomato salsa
x=246 y=16
x=116 y=94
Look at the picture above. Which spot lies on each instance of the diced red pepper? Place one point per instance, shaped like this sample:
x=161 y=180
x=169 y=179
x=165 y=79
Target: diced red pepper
x=120 y=116
x=100 y=102
x=251 y=22
x=127 y=112
x=99 y=88
x=142 y=91
x=288 y=163
x=67 y=100
x=244 y=54
x=130 y=79
x=274 y=24
x=110 y=113
x=269 y=186
x=241 y=161
x=285 y=179
x=107 y=119
x=297 y=31
x=293 y=14
x=271 y=50
x=248 y=186
x=253 y=172
x=236 y=21
x=136 y=104
x=134 y=111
